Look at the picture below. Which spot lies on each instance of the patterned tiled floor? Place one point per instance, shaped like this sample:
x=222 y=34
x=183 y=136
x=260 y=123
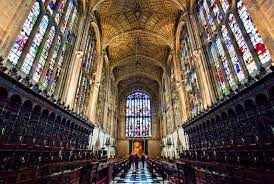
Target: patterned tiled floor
x=141 y=176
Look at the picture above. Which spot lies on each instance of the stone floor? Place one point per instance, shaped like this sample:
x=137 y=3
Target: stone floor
x=141 y=176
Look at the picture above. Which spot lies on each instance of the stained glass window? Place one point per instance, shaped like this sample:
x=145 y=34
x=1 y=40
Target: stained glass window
x=189 y=74
x=52 y=62
x=245 y=52
x=64 y=24
x=23 y=36
x=225 y=63
x=27 y=64
x=216 y=10
x=84 y=83
x=218 y=69
x=138 y=115
x=44 y=55
x=233 y=55
x=225 y=4
x=61 y=6
x=204 y=24
x=52 y=6
x=209 y=17
x=253 y=34
x=59 y=69
x=65 y=45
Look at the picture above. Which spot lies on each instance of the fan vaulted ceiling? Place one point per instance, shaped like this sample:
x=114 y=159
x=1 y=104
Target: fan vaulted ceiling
x=137 y=30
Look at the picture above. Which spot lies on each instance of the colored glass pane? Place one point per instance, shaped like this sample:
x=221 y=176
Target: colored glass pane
x=204 y=24
x=138 y=116
x=218 y=69
x=23 y=36
x=253 y=34
x=216 y=10
x=224 y=4
x=233 y=55
x=44 y=55
x=67 y=15
x=245 y=52
x=61 y=6
x=59 y=68
x=225 y=62
x=189 y=74
x=51 y=6
x=29 y=59
x=52 y=62
x=209 y=17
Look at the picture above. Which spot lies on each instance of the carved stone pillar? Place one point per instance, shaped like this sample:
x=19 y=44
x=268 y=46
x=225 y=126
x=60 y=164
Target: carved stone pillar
x=71 y=86
x=95 y=88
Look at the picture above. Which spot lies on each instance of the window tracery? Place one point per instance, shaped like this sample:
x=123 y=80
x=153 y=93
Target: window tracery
x=229 y=34
x=39 y=49
x=138 y=115
x=189 y=74
x=87 y=69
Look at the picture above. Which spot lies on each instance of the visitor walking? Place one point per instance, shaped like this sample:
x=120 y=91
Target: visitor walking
x=143 y=160
x=136 y=161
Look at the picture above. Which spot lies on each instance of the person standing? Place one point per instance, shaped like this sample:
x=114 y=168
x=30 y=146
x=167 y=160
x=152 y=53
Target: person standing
x=136 y=161
x=143 y=160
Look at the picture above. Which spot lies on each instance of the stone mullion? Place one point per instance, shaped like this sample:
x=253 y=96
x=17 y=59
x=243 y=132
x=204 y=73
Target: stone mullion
x=68 y=52
x=199 y=79
x=78 y=88
x=105 y=113
x=41 y=47
x=81 y=101
x=214 y=76
x=55 y=10
x=60 y=49
x=247 y=40
x=177 y=71
x=230 y=64
x=85 y=47
x=237 y=50
x=196 y=31
x=88 y=61
x=221 y=65
x=55 y=66
x=65 y=66
x=48 y=59
x=190 y=31
x=227 y=56
x=54 y=42
x=217 y=53
x=233 y=40
x=30 y=39
x=206 y=44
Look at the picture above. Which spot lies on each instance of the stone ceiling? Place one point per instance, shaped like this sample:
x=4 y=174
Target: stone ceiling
x=137 y=31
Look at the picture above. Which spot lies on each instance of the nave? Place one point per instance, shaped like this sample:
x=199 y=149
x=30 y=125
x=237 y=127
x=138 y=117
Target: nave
x=84 y=84
x=141 y=176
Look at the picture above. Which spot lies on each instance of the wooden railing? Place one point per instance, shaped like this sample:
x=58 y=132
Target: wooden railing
x=31 y=119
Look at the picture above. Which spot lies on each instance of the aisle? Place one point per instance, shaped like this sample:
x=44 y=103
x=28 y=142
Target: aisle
x=142 y=176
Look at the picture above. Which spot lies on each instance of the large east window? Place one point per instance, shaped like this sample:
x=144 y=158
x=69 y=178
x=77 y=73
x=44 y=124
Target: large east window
x=138 y=115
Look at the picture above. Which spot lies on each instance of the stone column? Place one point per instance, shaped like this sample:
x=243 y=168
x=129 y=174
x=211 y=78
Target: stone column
x=74 y=71
x=95 y=88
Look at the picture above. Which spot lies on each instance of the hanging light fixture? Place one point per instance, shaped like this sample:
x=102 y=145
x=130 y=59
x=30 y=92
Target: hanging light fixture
x=137 y=62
